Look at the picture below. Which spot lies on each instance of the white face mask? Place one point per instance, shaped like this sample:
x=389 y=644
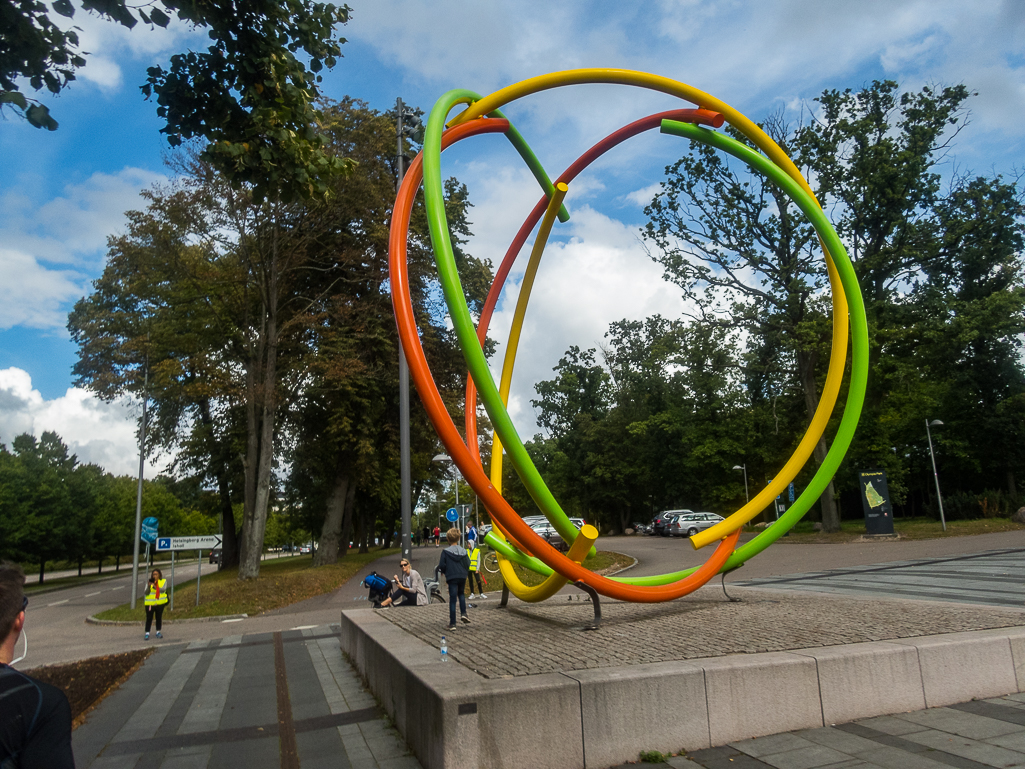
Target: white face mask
x=24 y=652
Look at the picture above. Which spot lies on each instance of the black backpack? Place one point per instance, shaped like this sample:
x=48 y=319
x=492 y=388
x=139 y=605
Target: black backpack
x=15 y=684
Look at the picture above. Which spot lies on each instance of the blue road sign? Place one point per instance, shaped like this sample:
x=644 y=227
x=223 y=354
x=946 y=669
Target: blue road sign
x=452 y=515
x=163 y=543
x=149 y=530
x=791 y=492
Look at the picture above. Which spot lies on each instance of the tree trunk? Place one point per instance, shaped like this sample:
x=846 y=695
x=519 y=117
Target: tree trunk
x=229 y=540
x=334 y=514
x=42 y=568
x=261 y=446
x=99 y=566
x=80 y=566
x=1012 y=487
x=806 y=366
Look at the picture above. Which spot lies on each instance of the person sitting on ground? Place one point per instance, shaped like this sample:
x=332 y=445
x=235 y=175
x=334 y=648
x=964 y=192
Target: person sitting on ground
x=409 y=588
x=475 y=572
x=455 y=565
x=156 y=600
x=35 y=718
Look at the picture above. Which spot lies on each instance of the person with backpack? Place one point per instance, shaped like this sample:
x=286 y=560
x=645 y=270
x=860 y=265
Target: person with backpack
x=455 y=565
x=35 y=717
x=409 y=588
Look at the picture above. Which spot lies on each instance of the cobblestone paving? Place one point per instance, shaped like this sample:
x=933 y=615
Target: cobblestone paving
x=528 y=639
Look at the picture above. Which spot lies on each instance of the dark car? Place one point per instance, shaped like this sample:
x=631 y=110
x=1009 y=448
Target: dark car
x=689 y=524
x=659 y=526
x=215 y=557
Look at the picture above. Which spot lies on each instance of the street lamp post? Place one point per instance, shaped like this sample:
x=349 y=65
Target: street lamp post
x=447 y=458
x=935 y=475
x=743 y=467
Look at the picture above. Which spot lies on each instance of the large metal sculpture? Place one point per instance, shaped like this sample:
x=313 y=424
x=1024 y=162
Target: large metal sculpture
x=513 y=539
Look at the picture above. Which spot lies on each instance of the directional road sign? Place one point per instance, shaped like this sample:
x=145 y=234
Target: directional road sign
x=452 y=514
x=166 y=544
x=149 y=530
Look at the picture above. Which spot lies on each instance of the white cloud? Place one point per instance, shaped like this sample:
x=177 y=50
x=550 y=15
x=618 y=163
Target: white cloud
x=97 y=432
x=32 y=295
x=645 y=195
x=75 y=224
x=69 y=230
x=600 y=275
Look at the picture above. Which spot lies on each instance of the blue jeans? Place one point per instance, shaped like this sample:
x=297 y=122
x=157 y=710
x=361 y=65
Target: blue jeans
x=456 y=587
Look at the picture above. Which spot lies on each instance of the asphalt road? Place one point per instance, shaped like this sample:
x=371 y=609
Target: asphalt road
x=58 y=632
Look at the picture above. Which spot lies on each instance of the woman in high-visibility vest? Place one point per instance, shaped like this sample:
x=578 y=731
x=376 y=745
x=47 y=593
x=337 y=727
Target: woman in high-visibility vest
x=475 y=572
x=156 y=600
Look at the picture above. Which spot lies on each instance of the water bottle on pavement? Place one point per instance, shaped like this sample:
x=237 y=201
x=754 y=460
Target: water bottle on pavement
x=444 y=649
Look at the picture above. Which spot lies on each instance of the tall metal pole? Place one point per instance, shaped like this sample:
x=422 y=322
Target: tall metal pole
x=138 y=495
x=406 y=504
x=935 y=475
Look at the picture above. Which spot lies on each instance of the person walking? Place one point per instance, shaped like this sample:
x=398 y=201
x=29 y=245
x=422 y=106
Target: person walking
x=475 y=573
x=156 y=600
x=471 y=536
x=426 y=536
x=437 y=536
x=35 y=717
x=455 y=565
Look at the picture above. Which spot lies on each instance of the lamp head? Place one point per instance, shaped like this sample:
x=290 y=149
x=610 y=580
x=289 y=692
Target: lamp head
x=935 y=422
x=442 y=458
x=738 y=467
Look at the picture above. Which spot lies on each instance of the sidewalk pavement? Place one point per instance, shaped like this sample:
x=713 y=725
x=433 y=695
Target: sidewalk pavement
x=972 y=735
x=284 y=699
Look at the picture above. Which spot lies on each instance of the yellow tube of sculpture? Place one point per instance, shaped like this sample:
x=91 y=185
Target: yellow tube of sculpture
x=543 y=232
x=746 y=126
x=554 y=583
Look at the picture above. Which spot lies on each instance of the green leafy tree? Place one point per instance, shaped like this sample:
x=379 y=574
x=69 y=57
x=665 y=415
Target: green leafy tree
x=250 y=95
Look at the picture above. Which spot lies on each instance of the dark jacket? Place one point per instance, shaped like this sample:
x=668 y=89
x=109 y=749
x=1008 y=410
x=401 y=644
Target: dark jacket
x=454 y=563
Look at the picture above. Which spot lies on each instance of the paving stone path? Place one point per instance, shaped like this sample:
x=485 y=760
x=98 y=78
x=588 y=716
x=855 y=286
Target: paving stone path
x=528 y=639
x=973 y=735
x=284 y=699
x=995 y=578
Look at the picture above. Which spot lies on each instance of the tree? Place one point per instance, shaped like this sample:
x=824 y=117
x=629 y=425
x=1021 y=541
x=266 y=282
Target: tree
x=746 y=258
x=249 y=95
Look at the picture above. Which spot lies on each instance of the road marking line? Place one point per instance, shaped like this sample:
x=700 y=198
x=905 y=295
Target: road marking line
x=58 y=602
x=90 y=595
x=223 y=621
x=119 y=587
x=305 y=627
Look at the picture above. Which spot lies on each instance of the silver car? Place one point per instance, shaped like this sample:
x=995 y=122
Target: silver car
x=689 y=524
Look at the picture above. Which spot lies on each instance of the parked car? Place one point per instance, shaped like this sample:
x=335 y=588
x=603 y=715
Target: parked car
x=548 y=533
x=215 y=557
x=689 y=524
x=661 y=522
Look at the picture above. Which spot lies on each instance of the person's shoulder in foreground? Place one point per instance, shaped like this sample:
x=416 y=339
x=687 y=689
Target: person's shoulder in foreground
x=35 y=717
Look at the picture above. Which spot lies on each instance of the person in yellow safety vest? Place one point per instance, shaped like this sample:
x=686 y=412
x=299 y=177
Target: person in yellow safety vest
x=475 y=572
x=156 y=600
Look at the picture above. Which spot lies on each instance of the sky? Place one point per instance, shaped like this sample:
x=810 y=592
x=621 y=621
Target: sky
x=63 y=193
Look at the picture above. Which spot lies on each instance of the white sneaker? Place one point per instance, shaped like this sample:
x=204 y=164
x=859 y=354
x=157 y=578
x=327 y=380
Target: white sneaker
x=483 y=596
x=472 y=596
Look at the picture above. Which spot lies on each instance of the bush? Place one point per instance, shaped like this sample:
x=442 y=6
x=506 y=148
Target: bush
x=991 y=503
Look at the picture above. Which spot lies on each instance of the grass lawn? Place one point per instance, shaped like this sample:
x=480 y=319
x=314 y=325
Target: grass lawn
x=907 y=528
x=282 y=581
x=603 y=562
